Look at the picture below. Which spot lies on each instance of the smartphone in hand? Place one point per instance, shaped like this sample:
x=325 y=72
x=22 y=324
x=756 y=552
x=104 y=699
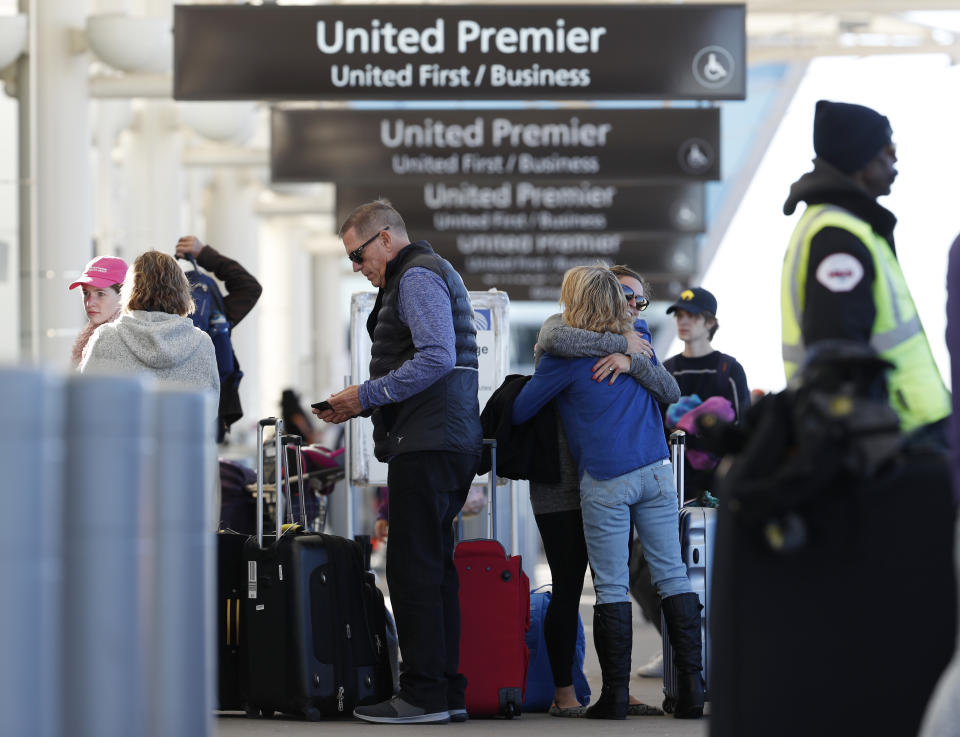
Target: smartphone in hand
x=322 y=406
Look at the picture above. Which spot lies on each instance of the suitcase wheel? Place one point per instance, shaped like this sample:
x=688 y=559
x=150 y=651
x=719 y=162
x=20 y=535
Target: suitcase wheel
x=312 y=714
x=669 y=704
x=254 y=712
x=510 y=710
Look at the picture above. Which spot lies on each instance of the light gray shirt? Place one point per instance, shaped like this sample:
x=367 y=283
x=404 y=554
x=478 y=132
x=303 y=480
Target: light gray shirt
x=167 y=346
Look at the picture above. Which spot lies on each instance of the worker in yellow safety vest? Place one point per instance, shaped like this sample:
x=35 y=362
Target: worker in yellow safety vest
x=841 y=278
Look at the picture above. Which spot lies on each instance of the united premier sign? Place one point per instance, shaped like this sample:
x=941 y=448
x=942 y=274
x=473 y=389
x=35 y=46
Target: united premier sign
x=352 y=52
x=311 y=145
x=526 y=206
x=531 y=265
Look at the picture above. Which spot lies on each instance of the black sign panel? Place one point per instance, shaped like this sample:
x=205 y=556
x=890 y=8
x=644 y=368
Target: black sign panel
x=374 y=146
x=407 y=52
x=525 y=206
x=531 y=265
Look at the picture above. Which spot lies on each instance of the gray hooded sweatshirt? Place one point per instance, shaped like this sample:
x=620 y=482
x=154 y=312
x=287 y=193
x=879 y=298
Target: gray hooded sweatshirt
x=168 y=346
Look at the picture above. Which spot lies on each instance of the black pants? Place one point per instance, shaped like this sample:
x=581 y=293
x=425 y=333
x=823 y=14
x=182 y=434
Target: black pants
x=566 y=552
x=427 y=490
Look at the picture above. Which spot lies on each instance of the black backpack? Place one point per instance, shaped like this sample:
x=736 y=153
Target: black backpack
x=210 y=316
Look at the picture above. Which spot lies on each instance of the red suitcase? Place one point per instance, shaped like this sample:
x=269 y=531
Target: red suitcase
x=494 y=619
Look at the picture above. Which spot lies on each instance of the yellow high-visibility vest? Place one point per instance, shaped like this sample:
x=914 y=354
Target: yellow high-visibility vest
x=917 y=391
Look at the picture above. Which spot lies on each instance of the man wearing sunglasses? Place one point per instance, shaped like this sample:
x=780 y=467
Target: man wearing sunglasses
x=422 y=397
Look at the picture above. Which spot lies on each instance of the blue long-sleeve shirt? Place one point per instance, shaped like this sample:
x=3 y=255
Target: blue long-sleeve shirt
x=611 y=429
x=423 y=304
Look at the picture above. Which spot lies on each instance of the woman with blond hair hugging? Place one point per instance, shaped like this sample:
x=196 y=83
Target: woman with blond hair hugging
x=616 y=438
x=154 y=333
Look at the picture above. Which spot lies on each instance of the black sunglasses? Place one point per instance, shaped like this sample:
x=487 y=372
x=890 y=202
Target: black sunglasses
x=356 y=255
x=642 y=302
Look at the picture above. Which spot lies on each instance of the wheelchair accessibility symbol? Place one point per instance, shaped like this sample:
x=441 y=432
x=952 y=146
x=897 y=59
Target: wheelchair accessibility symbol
x=713 y=66
x=696 y=156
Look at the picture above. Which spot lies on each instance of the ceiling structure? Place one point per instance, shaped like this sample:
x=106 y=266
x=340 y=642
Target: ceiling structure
x=795 y=30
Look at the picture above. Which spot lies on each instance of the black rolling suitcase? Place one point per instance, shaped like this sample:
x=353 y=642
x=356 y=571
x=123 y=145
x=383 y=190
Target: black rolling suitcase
x=231 y=653
x=315 y=620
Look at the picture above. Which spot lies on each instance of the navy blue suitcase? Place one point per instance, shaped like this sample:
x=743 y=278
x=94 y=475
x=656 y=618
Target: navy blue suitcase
x=315 y=619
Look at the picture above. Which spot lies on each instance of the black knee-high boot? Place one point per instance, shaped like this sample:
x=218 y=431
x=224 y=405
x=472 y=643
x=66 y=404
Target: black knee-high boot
x=682 y=615
x=613 y=638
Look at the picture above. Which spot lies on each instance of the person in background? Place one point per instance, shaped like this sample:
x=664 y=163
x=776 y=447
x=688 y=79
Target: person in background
x=702 y=372
x=616 y=438
x=295 y=419
x=422 y=396
x=699 y=368
x=841 y=277
x=100 y=284
x=557 y=508
x=154 y=334
x=243 y=291
x=943 y=711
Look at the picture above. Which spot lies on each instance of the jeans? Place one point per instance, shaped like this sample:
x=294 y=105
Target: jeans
x=427 y=490
x=566 y=552
x=646 y=497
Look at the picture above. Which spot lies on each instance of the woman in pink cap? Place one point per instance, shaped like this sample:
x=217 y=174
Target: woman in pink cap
x=101 y=281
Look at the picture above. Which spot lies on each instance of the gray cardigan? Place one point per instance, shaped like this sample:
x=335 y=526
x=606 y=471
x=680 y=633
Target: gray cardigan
x=167 y=346
x=559 y=339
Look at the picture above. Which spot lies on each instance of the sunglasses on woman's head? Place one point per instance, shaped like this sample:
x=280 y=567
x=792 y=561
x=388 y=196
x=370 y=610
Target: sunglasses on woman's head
x=642 y=302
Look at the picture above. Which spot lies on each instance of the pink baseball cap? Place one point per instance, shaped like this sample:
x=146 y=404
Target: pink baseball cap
x=103 y=272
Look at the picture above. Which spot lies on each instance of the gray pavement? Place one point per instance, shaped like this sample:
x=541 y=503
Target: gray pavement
x=649 y=690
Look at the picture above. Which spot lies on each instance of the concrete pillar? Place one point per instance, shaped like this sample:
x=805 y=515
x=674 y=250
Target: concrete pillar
x=56 y=233
x=111 y=118
x=284 y=320
x=332 y=317
x=232 y=228
x=153 y=179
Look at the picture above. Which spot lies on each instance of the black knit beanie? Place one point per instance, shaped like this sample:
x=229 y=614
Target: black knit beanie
x=848 y=136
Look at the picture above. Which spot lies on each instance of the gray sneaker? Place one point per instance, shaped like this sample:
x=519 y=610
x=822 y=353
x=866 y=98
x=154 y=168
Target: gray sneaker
x=398 y=711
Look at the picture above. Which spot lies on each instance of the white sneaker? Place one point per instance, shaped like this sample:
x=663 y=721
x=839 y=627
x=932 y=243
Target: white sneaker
x=654 y=668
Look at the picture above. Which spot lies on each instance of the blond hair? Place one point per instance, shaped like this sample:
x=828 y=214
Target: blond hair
x=157 y=284
x=593 y=300
x=371 y=217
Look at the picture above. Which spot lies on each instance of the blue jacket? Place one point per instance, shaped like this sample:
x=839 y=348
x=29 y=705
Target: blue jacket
x=612 y=430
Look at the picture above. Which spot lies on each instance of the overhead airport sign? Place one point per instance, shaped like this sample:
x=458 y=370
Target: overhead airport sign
x=381 y=146
x=408 y=52
x=531 y=265
x=528 y=206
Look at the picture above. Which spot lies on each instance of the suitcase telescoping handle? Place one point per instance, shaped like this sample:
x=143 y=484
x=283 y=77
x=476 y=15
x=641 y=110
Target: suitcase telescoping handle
x=491 y=504
x=296 y=441
x=678 y=443
x=277 y=439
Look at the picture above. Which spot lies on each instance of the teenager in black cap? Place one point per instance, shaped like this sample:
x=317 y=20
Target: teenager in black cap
x=841 y=278
x=703 y=371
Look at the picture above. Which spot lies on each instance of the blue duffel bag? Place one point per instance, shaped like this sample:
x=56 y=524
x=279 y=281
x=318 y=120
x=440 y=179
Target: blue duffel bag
x=539 y=692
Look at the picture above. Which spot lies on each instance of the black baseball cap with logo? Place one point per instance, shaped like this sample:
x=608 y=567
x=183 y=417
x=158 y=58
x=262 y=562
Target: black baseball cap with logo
x=695 y=300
